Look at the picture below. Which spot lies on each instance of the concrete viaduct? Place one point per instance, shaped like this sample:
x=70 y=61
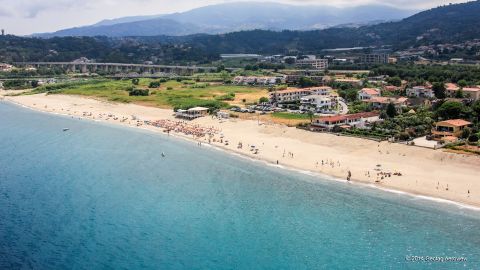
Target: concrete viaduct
x=113 y=68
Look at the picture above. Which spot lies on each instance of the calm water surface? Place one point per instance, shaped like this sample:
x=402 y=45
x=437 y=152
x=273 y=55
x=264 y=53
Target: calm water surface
x=102 y=197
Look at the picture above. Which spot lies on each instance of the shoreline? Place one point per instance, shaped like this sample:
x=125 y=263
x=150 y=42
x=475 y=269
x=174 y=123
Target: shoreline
x=472 y=203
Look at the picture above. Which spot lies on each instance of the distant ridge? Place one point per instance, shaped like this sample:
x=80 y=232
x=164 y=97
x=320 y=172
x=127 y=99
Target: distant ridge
x=230 y=17
x=446 y=24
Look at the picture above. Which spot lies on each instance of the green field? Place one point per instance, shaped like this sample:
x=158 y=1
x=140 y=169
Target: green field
x=184 y=94
x=290 y=116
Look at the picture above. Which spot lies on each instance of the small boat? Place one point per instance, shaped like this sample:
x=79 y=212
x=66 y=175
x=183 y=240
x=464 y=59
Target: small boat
x=66 y=129
x=163 y=154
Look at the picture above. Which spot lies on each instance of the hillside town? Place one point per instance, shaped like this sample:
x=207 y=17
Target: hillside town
x=352 y=103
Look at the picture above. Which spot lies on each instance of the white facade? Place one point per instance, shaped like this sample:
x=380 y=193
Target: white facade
x=368 y=93
x=319 y=103
x=291 y=95
x=320 y=64
x=358 y=120
x=5 y=67
x=251 y=80
x=420 y=91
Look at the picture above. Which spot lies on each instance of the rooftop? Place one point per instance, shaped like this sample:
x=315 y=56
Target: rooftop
x=292 y=90
x=386 y=100
x=370 y=91
x=198 y=109
x=471 y=89
x=454 y=122
x=337 y=118
x=451 y=87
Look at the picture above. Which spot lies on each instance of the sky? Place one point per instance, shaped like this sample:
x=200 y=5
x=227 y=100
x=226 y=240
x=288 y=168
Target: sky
x=23 y=17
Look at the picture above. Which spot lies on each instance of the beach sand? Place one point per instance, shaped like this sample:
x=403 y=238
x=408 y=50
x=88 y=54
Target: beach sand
x=433 y=173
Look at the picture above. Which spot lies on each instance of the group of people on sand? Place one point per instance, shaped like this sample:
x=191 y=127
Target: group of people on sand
x=183 y=127
x=108 y=116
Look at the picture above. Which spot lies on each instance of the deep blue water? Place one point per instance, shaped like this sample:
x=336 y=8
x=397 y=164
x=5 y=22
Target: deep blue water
x=102 y=197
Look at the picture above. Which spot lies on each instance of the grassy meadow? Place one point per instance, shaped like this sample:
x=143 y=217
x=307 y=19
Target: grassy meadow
x=171 y=94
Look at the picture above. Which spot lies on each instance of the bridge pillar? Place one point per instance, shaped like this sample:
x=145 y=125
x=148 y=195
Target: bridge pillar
x=83 y=68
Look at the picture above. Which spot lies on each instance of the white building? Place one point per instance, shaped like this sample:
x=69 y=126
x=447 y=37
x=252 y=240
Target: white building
x=192 y=113
x=420 y=91
x=319 y=103
x=381 y=103
x=358 y=120
x=5 y=67
x=254 y=80
x=320 y=64
x=368 y=93
x=295 y=94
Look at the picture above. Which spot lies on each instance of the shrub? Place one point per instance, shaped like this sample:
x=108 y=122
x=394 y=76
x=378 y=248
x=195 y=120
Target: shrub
x=199 y=85
x=138 y=92
x=229 y=96
x=473 y=138
x=403 y=136
x=466 y=133
x=155 y=84
x=263 y=100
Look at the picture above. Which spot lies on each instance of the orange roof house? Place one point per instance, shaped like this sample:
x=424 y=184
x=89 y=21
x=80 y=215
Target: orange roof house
x=449 y=128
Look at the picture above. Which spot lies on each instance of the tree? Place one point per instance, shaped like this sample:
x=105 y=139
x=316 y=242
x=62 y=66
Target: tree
x=224 y=75
x=139 y=92
x=473 y=138
x=439 y=90
x=135 y=81
x=459 y=93
x=476 y=109
x=155 y=84
x=391 y=110
x=306 y=82
x=290 y=60
x=396 y=81
x=220 y=68
x=349 y=95
x=462 y=83
x=263 y=100
x=466 y=133
x=450 y=110
x=311 y=115
x=34 y=83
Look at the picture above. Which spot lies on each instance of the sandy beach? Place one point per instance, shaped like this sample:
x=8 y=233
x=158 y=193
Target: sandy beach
x=433 y=173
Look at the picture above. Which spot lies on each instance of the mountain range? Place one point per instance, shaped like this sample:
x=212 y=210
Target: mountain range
x=238 y=16
x=454 y=23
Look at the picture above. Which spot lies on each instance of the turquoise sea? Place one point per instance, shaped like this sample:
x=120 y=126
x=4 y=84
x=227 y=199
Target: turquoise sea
x=102 y=197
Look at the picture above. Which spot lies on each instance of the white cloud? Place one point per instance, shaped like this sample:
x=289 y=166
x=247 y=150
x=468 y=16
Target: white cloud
x=30 y=16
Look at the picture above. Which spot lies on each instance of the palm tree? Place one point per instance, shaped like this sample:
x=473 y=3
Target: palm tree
x=311 y=115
